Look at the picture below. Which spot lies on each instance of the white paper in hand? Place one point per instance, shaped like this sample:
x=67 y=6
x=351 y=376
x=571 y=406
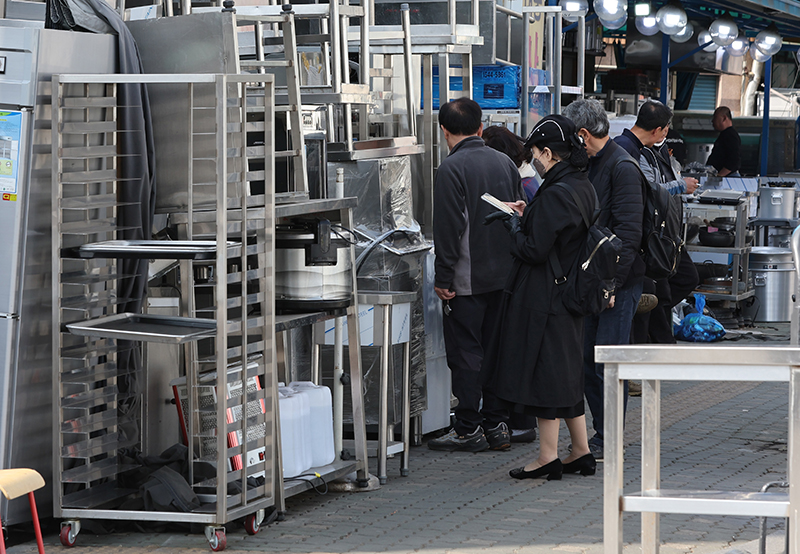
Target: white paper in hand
x=497 y=204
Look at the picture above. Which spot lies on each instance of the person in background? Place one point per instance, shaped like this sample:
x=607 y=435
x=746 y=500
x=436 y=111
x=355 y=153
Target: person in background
x=522 y=427
x=500 y=138
x=537 y=348
x=676 y=145
x=471 y=265
x=725 y=156
x=620 y=188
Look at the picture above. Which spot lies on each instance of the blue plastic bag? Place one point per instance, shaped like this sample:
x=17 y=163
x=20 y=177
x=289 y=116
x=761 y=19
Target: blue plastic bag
x=698 y=327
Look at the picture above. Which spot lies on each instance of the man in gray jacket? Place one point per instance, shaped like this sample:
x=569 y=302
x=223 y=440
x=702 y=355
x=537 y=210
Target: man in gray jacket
x=472 y=264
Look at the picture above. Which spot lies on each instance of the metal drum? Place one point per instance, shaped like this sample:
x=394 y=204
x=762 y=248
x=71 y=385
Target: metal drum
x=775 y=280
x=776 y=202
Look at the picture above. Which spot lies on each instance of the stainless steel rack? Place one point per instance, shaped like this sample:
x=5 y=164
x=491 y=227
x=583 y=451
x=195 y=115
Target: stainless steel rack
x=97 y=413
x=739 y=252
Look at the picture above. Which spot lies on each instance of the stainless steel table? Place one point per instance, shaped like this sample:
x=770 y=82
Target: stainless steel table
x=652 y=364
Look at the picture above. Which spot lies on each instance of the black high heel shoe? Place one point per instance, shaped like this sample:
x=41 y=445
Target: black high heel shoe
x=586 y=465
x=552 y=471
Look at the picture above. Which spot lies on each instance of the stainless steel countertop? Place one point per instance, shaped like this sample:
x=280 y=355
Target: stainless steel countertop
x=711 y=354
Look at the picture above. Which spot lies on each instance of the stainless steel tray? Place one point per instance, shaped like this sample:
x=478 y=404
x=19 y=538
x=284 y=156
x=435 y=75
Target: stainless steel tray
x=146 y=327
x=152 y=249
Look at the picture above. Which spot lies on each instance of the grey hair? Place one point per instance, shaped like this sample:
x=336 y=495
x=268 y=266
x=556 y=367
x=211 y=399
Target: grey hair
x=590 y=115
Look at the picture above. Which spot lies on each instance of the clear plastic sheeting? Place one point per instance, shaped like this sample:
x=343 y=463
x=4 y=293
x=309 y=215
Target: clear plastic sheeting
x=387 y=262
x=383 y=188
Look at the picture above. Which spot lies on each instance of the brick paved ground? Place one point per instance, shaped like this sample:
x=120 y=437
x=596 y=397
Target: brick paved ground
x=726 y=436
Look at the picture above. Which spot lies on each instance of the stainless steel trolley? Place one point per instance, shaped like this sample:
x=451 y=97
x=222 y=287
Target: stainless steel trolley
x=98 y=413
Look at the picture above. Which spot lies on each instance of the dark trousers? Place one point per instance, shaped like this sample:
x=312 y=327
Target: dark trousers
x=656 y=326
x=467 y=332
x=610 y=327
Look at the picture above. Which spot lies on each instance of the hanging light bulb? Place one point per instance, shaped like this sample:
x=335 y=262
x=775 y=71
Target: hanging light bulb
x=647 y=25
x=769 y=41
x=738 y=47
x=615 y=24
x=671 y=19
x=572 y=9
x=610 y=10
x=757 y=54
x=704 y=37
x=724 y=30
x=684 y=34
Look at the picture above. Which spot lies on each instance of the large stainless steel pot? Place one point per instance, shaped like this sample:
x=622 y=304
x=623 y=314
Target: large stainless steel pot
x=774 y=279
x=776 y=202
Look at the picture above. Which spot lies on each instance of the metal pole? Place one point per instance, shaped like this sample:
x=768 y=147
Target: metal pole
x=765 y=120
x=581 y=44
x=338 y=351
x=407 y=63
x=664 y=68
x=549 y=27
x=526 y=62
x=476 y=17
x=365 y=56
x=557 y=72
x=451 y=15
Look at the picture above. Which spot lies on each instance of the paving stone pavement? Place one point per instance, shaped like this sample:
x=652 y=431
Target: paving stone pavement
x=724 y=436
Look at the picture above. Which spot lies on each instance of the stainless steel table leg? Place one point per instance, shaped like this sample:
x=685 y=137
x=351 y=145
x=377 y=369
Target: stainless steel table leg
x=406 y=407
x=651 y=460
x=386 y=349
x=794 y=459
x=612 y=471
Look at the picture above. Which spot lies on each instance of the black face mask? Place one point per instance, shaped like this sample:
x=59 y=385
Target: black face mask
x=539 y=167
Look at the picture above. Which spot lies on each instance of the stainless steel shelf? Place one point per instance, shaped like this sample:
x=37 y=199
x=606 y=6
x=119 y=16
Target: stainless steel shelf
x=753 y=504
x=146 y=327
x=719 y=249
x=722 y=296
x=153 y=249
x=315 y=206
x=330 y=472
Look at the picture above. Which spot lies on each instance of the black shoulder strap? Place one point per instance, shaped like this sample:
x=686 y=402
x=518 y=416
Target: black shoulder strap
x=645 y=182
x=557 y=271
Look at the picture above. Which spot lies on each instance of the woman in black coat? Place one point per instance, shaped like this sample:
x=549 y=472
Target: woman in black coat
x=538 y=350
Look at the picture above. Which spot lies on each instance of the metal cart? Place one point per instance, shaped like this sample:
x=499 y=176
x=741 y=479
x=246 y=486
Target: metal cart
x=98 y=387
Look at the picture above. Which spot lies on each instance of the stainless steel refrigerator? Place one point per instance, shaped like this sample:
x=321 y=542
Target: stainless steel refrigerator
x=29 y=56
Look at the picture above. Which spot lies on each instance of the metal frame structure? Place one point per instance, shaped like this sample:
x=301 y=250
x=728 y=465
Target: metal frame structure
x=91 y=403
x=652 y=364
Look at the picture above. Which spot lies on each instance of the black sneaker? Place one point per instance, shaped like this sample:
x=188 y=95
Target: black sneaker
x=499 y=438
x=453 y=442
x=596 y=448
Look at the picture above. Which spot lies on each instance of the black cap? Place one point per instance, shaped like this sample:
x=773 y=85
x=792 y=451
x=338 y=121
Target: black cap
x=551 y=129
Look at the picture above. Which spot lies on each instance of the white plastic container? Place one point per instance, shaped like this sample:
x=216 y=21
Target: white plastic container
x=294 y=453
x=320 y=421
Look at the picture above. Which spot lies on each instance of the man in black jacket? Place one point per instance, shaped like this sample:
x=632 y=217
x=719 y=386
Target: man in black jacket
x=472 y=264
x=620 y=188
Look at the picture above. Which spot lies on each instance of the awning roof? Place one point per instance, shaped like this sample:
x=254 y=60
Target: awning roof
x=752 y=16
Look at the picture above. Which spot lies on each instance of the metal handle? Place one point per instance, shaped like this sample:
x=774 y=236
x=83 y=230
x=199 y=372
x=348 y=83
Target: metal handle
x=779 y=197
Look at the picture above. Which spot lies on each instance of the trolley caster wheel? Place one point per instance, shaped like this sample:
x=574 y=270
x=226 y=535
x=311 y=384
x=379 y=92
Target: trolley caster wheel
x=252 y=523
x=68 y=538
x=404 y=473
x=218 y=542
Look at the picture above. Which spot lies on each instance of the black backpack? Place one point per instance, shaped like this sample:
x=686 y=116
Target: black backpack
x=589 y=285
x=662 y=223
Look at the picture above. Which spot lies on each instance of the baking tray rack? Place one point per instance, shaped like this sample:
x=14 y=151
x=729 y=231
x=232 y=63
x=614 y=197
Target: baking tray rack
x=149 y=327
x=153 y=249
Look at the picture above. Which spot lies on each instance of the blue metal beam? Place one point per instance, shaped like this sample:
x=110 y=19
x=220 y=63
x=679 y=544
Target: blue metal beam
x=689 y=54
x=664 y=67
x=765 y=121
